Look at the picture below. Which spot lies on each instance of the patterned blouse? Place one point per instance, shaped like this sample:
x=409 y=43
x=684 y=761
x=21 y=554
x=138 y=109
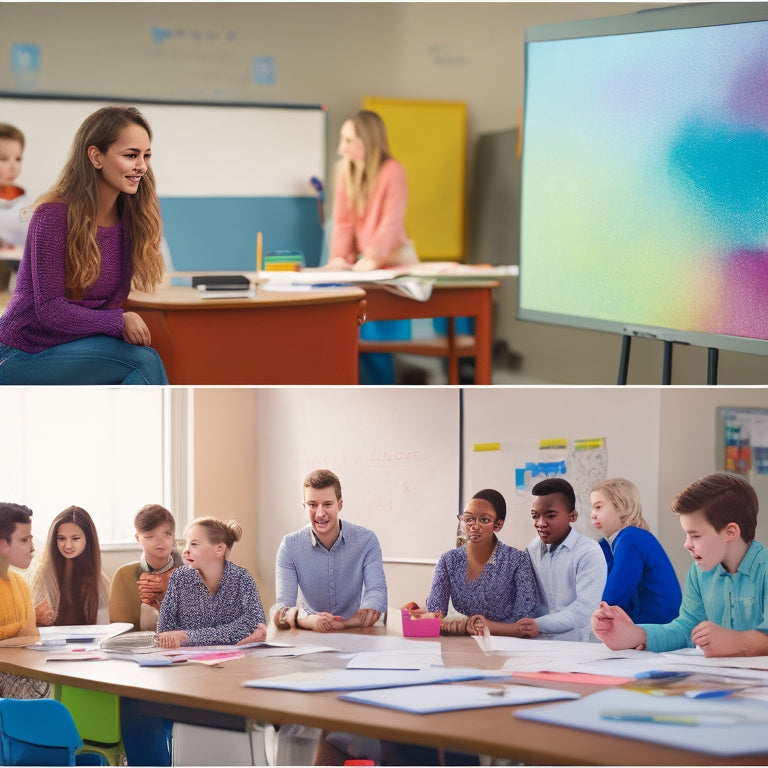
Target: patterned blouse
x=505 y=591
x=222 y=619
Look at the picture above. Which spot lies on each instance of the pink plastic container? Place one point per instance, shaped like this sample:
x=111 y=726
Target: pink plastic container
x=419 y=626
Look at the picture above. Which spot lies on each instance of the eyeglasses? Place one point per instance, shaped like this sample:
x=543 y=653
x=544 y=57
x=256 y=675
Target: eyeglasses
x=471 y=520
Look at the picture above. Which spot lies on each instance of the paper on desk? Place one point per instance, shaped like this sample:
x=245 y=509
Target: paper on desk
x=352 y=643
x=426 y=699
x=77 y=654
x=583 y=678
x=292 y=650
x=737 y=739
x=539 y=655
x=396 y=660
x=696 y=656
x=361 y=679
x=76 y=635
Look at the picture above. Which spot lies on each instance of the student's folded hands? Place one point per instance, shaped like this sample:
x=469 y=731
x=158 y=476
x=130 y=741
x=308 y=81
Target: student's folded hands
x=173 y=639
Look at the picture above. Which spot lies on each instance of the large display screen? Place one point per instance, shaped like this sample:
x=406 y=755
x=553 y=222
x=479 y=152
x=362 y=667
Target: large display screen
x=645 y=175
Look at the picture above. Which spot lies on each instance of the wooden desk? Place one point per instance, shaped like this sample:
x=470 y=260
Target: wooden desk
x=452 y=299
x=490 y=731
x=277 y=337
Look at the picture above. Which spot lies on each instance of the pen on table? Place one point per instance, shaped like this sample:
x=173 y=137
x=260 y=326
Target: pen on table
x=661 y=674
x=715 y=693
x=672 y=718
x=259 y=251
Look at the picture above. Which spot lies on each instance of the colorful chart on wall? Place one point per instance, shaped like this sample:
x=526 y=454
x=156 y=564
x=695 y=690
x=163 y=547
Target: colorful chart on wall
x=430 y=139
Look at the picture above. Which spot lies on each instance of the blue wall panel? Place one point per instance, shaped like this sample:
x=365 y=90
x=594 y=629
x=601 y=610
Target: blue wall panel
x=220 y=233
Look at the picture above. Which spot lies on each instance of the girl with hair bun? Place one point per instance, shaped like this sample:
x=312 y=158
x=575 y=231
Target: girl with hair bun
x=211 y=601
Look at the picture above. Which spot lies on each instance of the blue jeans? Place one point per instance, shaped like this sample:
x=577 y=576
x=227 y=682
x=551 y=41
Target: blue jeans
x=146 y=739
x=92 y=360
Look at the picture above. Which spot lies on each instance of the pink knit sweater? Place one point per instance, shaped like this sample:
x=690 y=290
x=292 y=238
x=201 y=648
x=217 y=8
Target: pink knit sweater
x=380 y=229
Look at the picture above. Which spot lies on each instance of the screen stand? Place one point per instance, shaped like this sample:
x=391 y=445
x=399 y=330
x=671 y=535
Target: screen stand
x=626 y=343
x=666 y=370
x=713 y=355
x=712 y=359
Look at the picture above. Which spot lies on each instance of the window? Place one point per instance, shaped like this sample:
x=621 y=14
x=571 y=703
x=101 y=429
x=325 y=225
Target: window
x=109 y=451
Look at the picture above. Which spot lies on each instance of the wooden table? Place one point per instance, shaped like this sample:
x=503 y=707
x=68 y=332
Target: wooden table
x=450 y=299
x=276 y=337
x=490 y=731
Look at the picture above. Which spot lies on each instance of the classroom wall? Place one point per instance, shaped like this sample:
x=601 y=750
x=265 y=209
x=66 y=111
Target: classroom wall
x=335 y=54
x=247 y=467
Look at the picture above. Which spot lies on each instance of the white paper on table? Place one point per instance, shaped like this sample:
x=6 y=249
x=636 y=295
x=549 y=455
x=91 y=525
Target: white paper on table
x=426 y=699
x=395 y=660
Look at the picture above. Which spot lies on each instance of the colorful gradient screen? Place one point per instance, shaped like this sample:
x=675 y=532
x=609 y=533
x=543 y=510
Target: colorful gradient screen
x=645 y=179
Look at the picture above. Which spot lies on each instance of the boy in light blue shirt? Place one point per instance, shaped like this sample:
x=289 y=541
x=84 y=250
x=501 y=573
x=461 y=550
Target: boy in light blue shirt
x=570 y=568
x=725 y=601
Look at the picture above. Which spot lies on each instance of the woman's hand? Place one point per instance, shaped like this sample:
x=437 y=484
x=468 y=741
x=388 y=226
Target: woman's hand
x=366 y=264
x=476 y=625
x=174 y=639
x=258 y=634
x=44 y=614
x=135 y=330
x=338 y=264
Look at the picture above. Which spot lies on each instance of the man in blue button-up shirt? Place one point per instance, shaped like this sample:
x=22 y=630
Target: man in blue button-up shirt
x=329 y=575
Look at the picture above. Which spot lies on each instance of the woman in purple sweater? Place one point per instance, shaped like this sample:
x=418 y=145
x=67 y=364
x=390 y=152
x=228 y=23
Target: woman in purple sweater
x=92 y=237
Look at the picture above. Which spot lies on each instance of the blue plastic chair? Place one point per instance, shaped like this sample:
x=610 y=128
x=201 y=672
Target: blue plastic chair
x=37 y=732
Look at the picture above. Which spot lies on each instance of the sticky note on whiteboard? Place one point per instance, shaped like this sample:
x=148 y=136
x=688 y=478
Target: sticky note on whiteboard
x=486 y=447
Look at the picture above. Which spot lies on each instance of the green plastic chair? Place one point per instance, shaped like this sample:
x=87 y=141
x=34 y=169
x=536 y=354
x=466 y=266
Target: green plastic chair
x=97 y=717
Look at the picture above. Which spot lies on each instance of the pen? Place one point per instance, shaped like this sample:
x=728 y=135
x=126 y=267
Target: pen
x=672 y=718
x=715 y=693
x=661 y=674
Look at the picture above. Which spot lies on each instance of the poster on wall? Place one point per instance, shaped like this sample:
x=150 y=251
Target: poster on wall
x=583 y=462
x=742 y=443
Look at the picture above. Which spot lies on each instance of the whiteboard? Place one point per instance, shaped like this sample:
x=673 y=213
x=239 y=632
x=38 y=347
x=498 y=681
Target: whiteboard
x=198 y=150
x=517 y=419
x=395 y=451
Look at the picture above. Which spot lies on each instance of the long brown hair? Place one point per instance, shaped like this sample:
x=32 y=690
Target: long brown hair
x=371 y=130
x=77 y=186
x=78 y=600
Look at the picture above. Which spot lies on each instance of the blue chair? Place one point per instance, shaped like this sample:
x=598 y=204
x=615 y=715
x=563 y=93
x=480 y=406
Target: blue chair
x=37 y=732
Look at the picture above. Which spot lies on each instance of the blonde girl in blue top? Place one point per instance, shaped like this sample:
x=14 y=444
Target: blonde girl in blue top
x=641 y=578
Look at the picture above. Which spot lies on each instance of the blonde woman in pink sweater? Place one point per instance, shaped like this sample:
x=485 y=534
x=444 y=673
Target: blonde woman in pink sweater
x=370 y=199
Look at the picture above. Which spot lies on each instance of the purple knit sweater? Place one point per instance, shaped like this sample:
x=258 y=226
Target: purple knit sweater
x=39 y=315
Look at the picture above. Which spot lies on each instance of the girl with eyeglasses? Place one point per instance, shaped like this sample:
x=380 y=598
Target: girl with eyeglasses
x=490 y=584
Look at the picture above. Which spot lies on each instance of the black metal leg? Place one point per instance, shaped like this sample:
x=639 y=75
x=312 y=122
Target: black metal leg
x=712 y=360
x=666 y=373
x=626 y=343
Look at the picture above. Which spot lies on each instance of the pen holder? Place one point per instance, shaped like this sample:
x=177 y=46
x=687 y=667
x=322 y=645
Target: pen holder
x=420 y=626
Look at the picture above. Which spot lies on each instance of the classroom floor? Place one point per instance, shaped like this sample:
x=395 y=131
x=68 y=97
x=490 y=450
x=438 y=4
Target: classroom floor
x=414 y=370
